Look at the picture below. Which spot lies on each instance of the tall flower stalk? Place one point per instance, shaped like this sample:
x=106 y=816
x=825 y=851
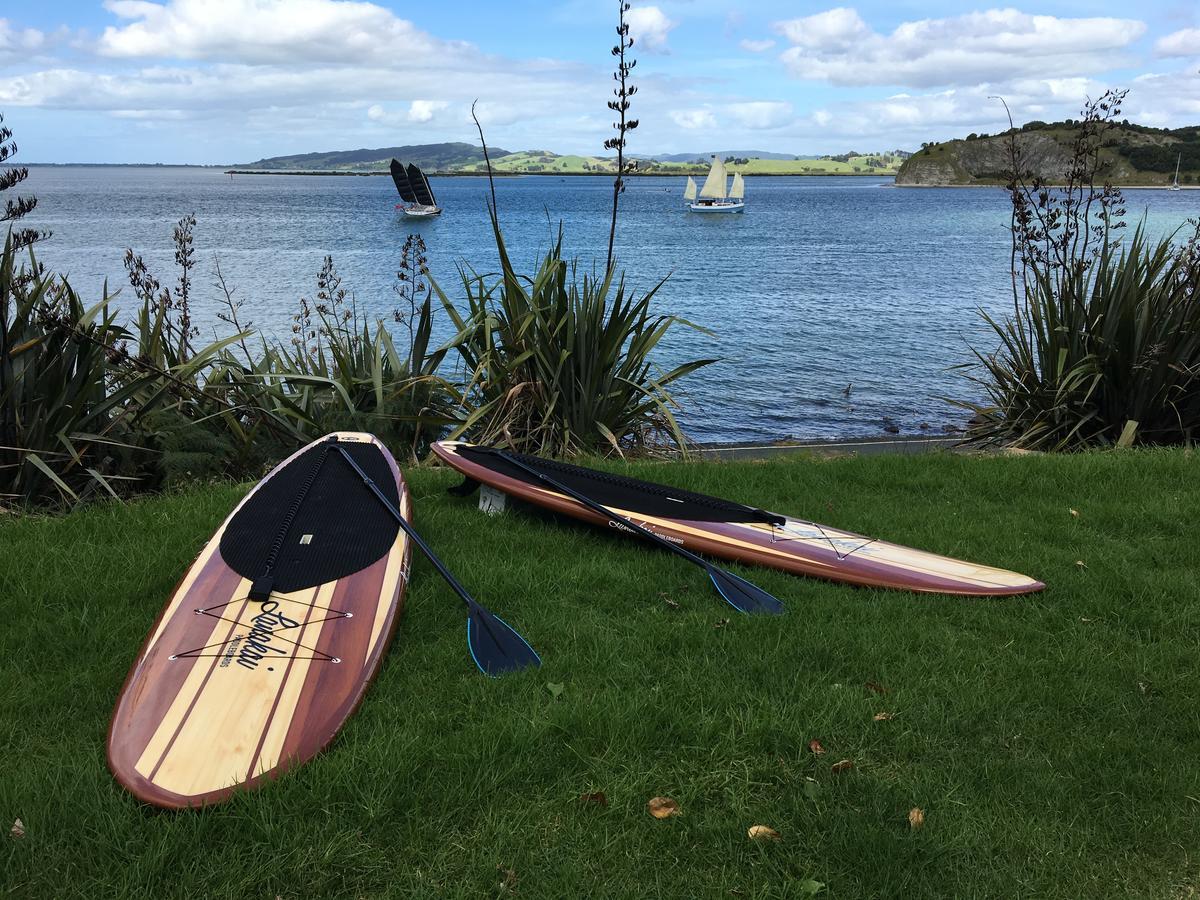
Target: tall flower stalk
x=623 y=125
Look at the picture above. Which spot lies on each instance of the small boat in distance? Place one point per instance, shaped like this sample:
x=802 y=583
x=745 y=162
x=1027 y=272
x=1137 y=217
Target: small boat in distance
x=714 y=198
x=1174 y=185
x=415 y=193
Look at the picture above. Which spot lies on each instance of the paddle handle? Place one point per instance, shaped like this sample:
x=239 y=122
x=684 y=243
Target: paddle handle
x=408 y=529
x=602 y=510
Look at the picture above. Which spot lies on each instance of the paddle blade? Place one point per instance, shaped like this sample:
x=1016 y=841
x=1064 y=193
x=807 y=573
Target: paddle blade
x=742 y=595
x=495 y=646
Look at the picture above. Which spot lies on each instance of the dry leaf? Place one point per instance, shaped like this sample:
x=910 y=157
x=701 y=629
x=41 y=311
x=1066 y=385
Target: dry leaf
x=884 y=716
x=815 y=746
x=597 y=797
x=916 y=818
x=508 y=879
x=762 y=833
x=1084 y=619
x=662 y=807
x=876 y=688
x=720 y=623
x=1075 y=513
x=1080 y=564
x=844 y=765
x=18 y=829
x=671 y=604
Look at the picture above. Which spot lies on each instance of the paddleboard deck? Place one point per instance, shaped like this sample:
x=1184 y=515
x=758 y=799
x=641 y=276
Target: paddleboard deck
x=231 y=689
x=733 y=531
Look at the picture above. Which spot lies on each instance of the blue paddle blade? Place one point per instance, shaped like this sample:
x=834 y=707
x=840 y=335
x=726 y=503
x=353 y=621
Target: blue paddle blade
x=495 y=646
x=742 y=595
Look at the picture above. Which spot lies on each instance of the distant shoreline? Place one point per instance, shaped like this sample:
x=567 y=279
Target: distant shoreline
x=320 y=173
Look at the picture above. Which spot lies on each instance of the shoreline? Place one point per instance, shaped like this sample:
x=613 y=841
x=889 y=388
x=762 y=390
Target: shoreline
x=321 y=173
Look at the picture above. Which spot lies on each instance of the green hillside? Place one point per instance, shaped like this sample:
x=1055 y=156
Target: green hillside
x=1133 y=155
x=462 y=158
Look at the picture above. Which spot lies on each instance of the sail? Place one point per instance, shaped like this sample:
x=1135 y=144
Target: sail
x=403 y=186
x=421 y=186
x=689 y=193
x=714 y=184
x=738 y=191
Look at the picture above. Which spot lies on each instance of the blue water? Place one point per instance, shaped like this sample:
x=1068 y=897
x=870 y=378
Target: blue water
x=821 y=284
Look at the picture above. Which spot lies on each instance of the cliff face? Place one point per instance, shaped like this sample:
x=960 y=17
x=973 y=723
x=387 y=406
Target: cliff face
x=986 y=160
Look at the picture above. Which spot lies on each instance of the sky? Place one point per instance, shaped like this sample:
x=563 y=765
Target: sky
x=229 y=81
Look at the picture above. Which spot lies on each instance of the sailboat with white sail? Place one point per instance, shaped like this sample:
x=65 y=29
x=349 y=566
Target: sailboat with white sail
x=414 y=190
x=1174 y=185
x=713 y=196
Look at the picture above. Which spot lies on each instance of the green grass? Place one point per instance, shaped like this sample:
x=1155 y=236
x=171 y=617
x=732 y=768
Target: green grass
x=1052 y=740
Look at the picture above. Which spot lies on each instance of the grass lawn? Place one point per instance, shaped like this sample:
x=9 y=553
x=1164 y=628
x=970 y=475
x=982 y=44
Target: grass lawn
x=1052 y=741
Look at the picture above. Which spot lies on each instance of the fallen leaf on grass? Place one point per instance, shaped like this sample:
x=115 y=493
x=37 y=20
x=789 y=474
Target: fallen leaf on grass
x=18 y=829
x=671 y=604
x=884 y=716
x=597 y=797
x=875 y=687
x=662 y=807
x=843 y=765
x=555 y=688
x=720 y=623
x=815 y=746
x=1084 y=619
x=1075 y=513
x=916 y=818
x=508 y=879
x=762 y=833
x=811 y=888
x=1080 y=564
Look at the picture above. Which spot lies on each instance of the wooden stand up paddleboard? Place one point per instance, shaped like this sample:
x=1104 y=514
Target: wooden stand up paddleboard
x=731 y=530
x=271 y=638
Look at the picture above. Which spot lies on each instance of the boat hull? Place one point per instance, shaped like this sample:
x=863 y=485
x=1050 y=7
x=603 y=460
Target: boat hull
x=421 y=212
x=717 y=207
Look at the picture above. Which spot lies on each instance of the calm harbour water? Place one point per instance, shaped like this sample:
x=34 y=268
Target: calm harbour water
x=822 y=283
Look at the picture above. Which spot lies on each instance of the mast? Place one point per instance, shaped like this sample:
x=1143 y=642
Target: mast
x=714 y=184
x=689 y=193
x=738 y=191
x=1178 y=160
x=420 y=186
x=403 y=185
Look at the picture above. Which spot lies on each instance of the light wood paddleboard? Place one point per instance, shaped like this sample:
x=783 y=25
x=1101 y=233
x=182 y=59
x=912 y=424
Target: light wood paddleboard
x=733 y=531
x=272 y=637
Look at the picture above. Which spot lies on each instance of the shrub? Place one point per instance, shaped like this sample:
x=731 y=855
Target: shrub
x=561 y=364
x=1103 y=346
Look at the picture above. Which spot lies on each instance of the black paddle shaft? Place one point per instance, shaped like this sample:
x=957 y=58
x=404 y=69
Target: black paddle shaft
x=409 y=530
x=602 y=510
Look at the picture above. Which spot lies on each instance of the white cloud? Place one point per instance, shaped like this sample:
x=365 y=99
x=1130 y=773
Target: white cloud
x=761 y=114
x=265 y=31
x=839 y=47
x=1179 y=43
x=424 y=110
x=649 y=27
x=19 y=44
x=694 y=119
x=756 y=46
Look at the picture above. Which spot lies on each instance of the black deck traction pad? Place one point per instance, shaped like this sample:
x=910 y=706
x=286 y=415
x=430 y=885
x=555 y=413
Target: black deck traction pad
x=348 y=527
x=629 y=494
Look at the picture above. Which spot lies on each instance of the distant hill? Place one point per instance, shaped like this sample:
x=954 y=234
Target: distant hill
x=462 y=158
x=432 y=157
x=1135 y=154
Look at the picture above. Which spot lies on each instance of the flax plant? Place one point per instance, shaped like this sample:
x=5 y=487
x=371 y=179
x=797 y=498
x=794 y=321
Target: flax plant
x=1103 y=345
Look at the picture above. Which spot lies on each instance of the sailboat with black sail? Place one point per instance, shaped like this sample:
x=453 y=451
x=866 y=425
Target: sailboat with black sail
x=416 y=195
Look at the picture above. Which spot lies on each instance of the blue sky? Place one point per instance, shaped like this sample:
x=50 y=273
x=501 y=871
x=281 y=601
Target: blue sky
x=225 y=81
